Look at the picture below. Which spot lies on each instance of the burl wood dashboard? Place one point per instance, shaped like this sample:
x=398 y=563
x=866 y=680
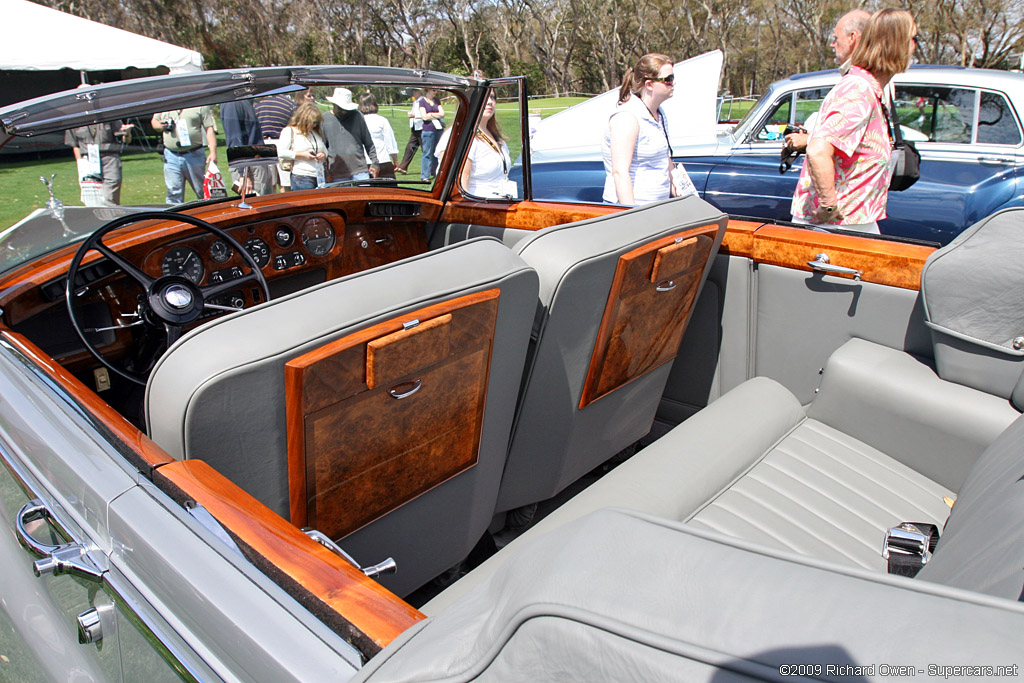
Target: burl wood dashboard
x=296 y=245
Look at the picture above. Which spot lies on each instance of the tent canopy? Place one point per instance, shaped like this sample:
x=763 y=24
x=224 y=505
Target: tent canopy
x=44 y=39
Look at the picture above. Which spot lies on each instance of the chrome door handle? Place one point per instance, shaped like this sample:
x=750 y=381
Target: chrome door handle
x=822 y=265
x=665 y=286
x=995 y=161
x=393 y=391
x=67 y=558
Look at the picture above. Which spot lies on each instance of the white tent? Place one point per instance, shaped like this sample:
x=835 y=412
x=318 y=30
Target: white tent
x=691 y=114
x=43 y=39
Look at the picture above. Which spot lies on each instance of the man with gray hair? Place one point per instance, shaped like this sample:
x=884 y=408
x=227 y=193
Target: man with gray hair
x=845 y=37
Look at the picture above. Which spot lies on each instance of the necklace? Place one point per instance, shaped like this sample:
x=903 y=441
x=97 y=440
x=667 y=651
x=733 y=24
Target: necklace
x=494 y=146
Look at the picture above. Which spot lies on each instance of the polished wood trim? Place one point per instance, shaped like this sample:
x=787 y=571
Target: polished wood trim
x=522 y=215
x=141 y=451
x=358 y=608
x=896 y=264
x=642 y=327
x=326 y=375
x=739 y=238
x=399 y=353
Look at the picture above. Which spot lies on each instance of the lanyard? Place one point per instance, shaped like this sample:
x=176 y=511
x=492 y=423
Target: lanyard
x=493 y=145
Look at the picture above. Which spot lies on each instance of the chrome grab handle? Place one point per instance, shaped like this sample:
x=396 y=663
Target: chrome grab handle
x=388 y=566
x=665 y=286
x=67 y=558
x=393 y=391
x=821 y=264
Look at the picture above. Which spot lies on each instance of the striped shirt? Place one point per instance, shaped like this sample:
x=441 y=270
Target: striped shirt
x=274 y=113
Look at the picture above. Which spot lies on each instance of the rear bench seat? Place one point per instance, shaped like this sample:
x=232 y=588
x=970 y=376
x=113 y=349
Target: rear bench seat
x=885 y=441
x=751 y=539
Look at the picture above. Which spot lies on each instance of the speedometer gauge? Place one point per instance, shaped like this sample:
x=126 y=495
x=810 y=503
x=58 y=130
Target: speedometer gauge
x=183 y=261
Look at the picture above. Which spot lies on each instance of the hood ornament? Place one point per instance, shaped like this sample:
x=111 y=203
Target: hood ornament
x=53 y=205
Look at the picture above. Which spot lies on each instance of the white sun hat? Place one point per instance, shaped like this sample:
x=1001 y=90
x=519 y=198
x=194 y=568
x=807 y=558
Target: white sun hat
x=343 y=98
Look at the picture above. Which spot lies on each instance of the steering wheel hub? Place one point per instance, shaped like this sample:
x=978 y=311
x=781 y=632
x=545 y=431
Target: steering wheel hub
x=175 y=300
x=178 y=297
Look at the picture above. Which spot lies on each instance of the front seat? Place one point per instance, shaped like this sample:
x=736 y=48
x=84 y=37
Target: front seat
x=616 y=293
x=375 y=408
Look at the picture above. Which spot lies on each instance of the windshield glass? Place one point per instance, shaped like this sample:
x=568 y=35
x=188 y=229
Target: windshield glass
x=743 y=122
x=60 y=186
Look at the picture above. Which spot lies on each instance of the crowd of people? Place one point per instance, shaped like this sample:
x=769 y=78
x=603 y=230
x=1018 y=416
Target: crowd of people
x=844 y=182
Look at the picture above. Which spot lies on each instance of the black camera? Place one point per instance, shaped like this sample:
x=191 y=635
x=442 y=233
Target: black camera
x=789 y=154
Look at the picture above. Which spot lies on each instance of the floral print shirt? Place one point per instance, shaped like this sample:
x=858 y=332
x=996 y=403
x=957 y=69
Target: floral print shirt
x=853 y=122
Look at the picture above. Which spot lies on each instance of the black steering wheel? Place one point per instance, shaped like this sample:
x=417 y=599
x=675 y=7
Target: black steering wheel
x=170 y=303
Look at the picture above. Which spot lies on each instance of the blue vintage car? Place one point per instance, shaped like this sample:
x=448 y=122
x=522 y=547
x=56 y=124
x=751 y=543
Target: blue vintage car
x=965 y=122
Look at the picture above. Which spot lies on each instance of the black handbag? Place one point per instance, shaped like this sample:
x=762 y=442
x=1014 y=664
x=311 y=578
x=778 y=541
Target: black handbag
x=906 y=160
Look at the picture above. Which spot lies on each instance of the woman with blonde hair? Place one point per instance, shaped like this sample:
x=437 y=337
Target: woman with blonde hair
x=637 y=159
x=302 y=144
x=845 y=180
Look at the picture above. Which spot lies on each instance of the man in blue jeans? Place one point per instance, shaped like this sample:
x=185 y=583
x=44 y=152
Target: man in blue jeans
x=183 y=133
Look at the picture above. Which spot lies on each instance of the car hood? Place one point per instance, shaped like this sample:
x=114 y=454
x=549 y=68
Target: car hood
x=691 y=116
x=143 y=96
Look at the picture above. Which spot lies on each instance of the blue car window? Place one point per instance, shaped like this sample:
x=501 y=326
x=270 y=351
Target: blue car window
x=808 y=102
x=938 y=114
x=996 y=122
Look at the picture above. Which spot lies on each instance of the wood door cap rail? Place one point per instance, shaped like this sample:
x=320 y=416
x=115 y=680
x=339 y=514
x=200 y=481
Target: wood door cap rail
x=896 y=264
x=360 y=610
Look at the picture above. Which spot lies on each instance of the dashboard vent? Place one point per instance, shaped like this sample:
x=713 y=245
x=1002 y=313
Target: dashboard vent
x=393 y=209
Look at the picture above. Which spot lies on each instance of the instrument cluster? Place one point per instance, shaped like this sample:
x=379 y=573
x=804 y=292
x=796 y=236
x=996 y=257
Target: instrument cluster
x=276 y=246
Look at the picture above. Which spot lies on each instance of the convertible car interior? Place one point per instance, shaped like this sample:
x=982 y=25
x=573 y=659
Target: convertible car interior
x=389 y=431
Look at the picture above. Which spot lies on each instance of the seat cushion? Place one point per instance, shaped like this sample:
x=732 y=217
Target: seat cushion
x=822 y=493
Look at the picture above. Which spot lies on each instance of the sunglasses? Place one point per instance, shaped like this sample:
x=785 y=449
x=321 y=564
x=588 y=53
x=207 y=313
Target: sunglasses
x=670 y=79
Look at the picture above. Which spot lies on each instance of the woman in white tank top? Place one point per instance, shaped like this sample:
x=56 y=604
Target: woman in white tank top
x=637 y=162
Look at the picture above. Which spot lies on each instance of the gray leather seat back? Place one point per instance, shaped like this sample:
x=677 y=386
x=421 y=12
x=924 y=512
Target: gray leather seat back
x=982 y=545
x=219 y=394
x=972 y=295
x=555 y=441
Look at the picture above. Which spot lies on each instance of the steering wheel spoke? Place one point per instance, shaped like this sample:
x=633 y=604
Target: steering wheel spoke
x=135 y=273
x=170 y=303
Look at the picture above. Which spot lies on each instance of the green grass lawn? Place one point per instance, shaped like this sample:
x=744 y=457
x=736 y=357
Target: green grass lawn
x=143 y=183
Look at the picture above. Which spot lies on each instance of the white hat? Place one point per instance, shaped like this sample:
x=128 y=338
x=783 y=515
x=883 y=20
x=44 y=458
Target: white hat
x=343 y=98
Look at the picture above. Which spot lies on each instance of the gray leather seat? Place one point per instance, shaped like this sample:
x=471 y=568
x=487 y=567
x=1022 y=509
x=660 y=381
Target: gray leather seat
x=793 y=577
x=573 y=414
x=219 y=395
x=886 y=441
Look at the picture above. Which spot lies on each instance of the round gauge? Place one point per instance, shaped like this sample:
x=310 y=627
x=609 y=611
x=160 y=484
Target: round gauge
x=183 y=261
x=220 y=251
x=259 y=251
x=284 y=236
x=318 y=236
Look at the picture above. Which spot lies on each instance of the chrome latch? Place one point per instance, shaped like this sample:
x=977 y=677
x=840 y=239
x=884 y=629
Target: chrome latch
x=907 y=539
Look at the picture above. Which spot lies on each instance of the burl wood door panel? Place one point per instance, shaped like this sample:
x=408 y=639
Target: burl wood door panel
x=652 y=295
x=383 y=415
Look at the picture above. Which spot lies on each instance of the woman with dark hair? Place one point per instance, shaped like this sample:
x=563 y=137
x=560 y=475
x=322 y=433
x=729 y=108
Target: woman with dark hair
x=382 y=135
x=302 y=144
x=485 y=172
x=432 y=114
x=845 y=180
x=637 y=162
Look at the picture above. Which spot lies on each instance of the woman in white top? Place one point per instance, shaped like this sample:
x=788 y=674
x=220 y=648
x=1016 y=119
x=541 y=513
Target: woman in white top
x=637 y=162
x=302 y=143
x=382 y=135
x=485 y=173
